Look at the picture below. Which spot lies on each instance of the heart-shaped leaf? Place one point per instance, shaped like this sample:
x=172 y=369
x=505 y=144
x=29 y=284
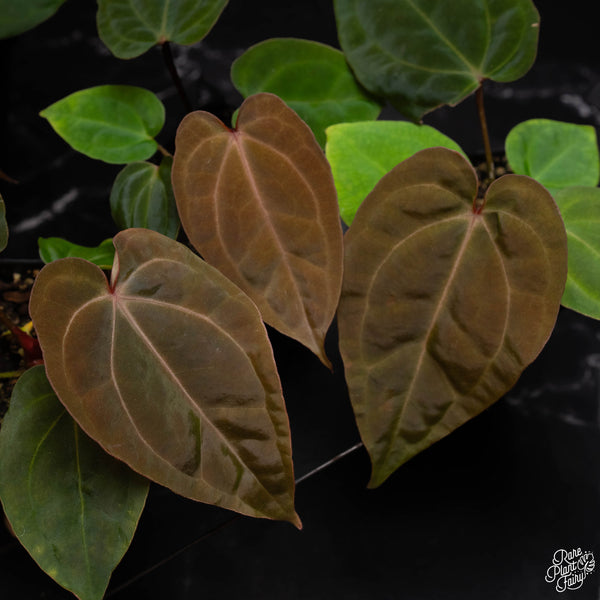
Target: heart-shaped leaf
x=17 y=16
x=54 y=248
x=142 y=196
x=556 y=154
x=73 y=507
x=131 y=27
x=113 y=123
x=144 y=366
x=444 y=303
x=259 y=204
x=311 y=78
x=3 y=226
x=420 y=54
x=360 y=154
x=580 y=209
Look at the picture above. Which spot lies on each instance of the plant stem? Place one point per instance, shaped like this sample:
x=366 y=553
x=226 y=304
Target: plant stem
x=168 y=58
x=484 y=132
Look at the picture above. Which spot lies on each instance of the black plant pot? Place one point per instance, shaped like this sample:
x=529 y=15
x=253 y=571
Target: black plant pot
x=479 y=514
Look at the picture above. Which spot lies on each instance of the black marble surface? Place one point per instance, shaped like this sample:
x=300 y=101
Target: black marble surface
x=479 y=514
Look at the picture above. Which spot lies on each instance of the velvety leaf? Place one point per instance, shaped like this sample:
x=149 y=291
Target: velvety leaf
x=360 y=154
x=419 y=54
x=311 y=78
x=54 y=248
x=3 y=226
x=443 y=303
x=18 y=16
x=556 y=154
x=259 y=204
x=73 y=507
x=580 y=209
x=113 y=123
x=131 y=27
x=144 y=364
x=142 y=196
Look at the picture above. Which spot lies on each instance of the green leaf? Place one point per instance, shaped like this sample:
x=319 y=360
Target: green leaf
x=54 y=248
x=144 y=364
x=142 y=196
x=311 y=78
x=259 y=204
x=443 y=303
x=17 y=16
x=360 y=154
x=420 y=54
x=131 y=27
x=73 y=507
x=113 y=123
x=556 y=154
x=580 y=209
x=3 y=226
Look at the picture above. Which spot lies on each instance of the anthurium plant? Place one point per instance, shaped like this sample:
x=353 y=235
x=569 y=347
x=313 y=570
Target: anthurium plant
x=446 y=285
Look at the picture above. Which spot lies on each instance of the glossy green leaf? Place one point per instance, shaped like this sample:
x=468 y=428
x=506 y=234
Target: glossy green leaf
x=3 y=226
x=113 y=123
x=420 y=54
x=259 y=204
x=144 y=364
x=580 y=209
x=18 y=16
x=54 y=248
x=73 y=507
x=556 y=154
x=443 y=304
x=142 y=196
x=360 y=154
x=311 y=78
x=131 y=27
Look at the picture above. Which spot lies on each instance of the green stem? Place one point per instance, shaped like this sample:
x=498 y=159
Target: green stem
x=484 y=132
x=168 y=58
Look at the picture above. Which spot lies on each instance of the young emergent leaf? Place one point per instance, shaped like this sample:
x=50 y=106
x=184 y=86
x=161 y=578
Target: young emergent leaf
x=130 y=28
x=443 y=303
x=259 y=204
x=54 y=248
x=360 y=154
x=580 y=209
x=3 y=226
x=420 y=54
x=142 y=196
x=311 y=78
x=556 y=154
x=72 y=506
x=144 y=364
x=113 y=123
x=17 y=16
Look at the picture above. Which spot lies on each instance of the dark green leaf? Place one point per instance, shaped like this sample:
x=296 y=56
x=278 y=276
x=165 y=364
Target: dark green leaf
x=556 y=154
x=360 y=154
x=311 y=78
x=443 y=304
x=113 y=123
x=130 y=28
x=142 y=196
x=54 y=248
x=17 y=16
x=580 y=209
x=145 y=363
x=73 y=507
x=419 y=54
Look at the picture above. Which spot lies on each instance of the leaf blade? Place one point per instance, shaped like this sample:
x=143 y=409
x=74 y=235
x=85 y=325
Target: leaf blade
x=18 y=17
x=164 y=335
x=74 y=508
x=434 y=308
x=259 y=204
x=55 y=248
